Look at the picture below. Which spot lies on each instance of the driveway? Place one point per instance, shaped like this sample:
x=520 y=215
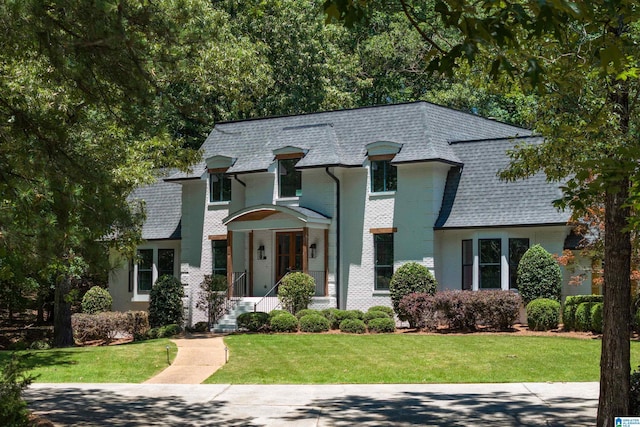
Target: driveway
x=517 y=404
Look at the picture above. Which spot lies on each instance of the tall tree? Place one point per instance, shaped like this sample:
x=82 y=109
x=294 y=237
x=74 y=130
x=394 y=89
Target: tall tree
x=581 y=58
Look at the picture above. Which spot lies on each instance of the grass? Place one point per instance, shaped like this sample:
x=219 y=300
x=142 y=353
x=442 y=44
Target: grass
x=394 y=358
x=125 y=363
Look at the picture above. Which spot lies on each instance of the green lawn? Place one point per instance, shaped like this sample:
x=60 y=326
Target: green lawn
x=126 y=363
x=394 y=358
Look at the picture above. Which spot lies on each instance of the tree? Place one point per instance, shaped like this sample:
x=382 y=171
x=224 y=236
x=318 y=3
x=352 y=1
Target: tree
x=539 y=276
x=581 y=58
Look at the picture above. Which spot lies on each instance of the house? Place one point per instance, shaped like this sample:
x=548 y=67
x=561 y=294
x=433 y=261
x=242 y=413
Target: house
x=346 y=196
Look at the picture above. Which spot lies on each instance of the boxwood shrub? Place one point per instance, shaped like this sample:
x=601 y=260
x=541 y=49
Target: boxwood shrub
x=383 y=308
x=539 y=275
x=331 y=315
x=583 y=316
x=306 y=311
x=284 y=322
x=369 y=315
x=96 y=300
x=382 y=325
x=314 y=322
x=571 y=304
x=597 y=317
x=253 y=322
x=274 y=313
x=353 y=326
x=341 y=315
x=543 y=314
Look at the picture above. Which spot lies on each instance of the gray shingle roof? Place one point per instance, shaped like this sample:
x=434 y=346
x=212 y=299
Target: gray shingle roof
x=474 y=196
x=163 y=208
x=339 y=137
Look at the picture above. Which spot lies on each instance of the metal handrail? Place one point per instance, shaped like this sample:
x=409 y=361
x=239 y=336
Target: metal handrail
x=268 y=295
x=233 y=297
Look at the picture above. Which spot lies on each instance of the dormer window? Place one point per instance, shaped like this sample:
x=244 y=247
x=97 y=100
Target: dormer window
x=384 y=176
x=219 y=186
x=289 y=179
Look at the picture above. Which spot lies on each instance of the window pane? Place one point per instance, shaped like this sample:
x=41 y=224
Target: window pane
x=383 y=269
x=165 y=262
x=467 y=277
x=517 y=248
x=145 y=270
x=490 y=265
x=490 y=251
x=219 y=187
x=383 y=176
x=219 y=257
x=383 y=277
x=290 y=179
x=490 y=277
x=467 y=264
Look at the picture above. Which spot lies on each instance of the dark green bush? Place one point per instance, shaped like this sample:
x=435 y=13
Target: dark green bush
x=306 y=311
x=634 y=393
x=341 y=315
x=253 y=322
x=539 y=275
x=409 y=278
x=13 y=381
x=166 y=331
x=571 y=304
x=369 y=315
x=330 y=314
x=314 y=322
x=543 y=314
x=382 y=325
x=579 y=299
x=296 y=290
x=353 y=326
x=383 y=308
x=96 y=300
x=583 y=316
x=274 y=313
x=165 y=302
x=636 y=321
x=284 y=322
x=597 y=317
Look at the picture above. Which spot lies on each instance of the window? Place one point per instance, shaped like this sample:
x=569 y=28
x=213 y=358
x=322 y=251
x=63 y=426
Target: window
x=467 y=265
x=383 y=176
x=490 y=251
x=517 y=248
x=289 y=179
x=383 y=247
x=165 y=262
x=219 y=187
x=219 y=257
x=145 y=270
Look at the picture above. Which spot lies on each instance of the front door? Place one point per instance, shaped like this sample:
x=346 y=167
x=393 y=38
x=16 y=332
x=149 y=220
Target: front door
x=288 y=252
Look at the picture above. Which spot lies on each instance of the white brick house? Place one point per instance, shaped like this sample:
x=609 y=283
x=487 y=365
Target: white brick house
x=346 y=196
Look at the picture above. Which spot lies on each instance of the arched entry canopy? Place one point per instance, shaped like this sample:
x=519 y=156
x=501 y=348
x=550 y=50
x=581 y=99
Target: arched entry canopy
x=264 y=217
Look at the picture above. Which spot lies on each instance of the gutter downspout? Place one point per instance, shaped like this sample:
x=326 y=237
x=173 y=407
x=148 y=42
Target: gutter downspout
x=237 y=179
x=337 y=235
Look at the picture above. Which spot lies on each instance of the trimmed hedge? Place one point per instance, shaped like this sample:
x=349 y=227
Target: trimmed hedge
x=597 y=318
x=274 y=313
x=96 y=300
x=583 y=316
x=571 y=304
x=284 y=322
x=370 y=315
x=380 y=325
x=107 y=325
x=314 y=322
x=332 y=317
x=543 y=314
x=253 y=321
x=353 y=326
x=420 y=310
x=383 y=308
x=409 y=278
x=306 y=311
x=539 y=275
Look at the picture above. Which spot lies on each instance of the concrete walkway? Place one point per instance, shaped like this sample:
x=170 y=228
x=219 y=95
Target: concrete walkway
x=199 y=356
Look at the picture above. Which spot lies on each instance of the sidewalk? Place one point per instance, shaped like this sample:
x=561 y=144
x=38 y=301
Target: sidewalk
x=197 y=359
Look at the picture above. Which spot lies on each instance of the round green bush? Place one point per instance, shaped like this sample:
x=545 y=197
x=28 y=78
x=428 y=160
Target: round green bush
x=341 y=315
x=274 y=313
x=597 y=317
x=369 y=315
x=409 y=278
x=96 y=300
x=165 y=302
x=539 y=275
x=381 y=325
x=543 y=314
x=583 y=316
x=284 y=322
x=353 y=326
x=314 y=322
x=306 y=311
x=253 y=321
x=383 y=308
x=569 y=317
x=330 y=314
x=296 y=290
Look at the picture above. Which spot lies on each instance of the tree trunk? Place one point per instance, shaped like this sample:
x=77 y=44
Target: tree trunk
x=62 y=332
x=614 y=361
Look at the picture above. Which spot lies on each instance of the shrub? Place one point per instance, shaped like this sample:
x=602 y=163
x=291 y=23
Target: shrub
x=636 y=321
x=420 y=310
x=597 y=317
x=539 y=275
x=634 y=393
x=274 y=313
x=543 y=314
x=497 y=309
x=200 y=327
x=164 y=331
x=331 y=315
x=98 y=327
x=341 y=315
x=314 y=322
x=96 y=300
x=583 y=316
x=382 y=325
x=570 y=306
x=13 y=381
x=306 y=311
x=137 y=324
x=212 y=297
x=284 y=322
x=409 y=278
x=369 y=315
x=165 y=302
x=295 y=291
x=383 y=308
x=253 y=322
x=459 y=310
x=353 y=326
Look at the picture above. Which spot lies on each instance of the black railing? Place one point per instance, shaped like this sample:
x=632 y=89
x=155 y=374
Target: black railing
x=235 y=291
x=270 y=300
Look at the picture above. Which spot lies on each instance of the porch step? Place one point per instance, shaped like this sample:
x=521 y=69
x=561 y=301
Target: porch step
x=228 y=322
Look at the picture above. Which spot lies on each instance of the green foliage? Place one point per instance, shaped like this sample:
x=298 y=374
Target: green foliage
x=583 y=316
x=332 y=314
x=296 y=290
x=543 y=314
x=571 y=305
x=274 y=313
x=212 y=297
x=382 y=325
x=165 y=302
x=253 y=321
x=96 y=300
x=353 y=326
x=409 y=278
x=314 y=322
x=165 y=331
x=597 y=319
x=284 y=322
x=306 y=311
x=539 y=275
x=383 y=308
x=13 y=381
x=634 y=393
x=374 y=314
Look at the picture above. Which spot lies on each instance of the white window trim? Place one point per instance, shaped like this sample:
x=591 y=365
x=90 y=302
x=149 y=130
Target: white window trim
x=144 y=297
